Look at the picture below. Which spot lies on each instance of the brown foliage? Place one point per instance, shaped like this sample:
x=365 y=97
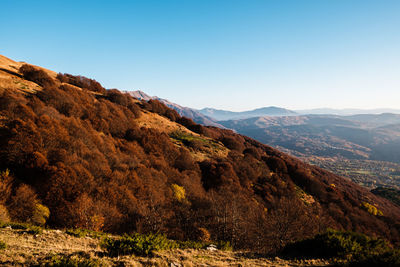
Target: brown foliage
x=82 y=82
x=23 y=203
x=6 y=182
x=36 y=75
x=82 y=155
x=233 y=142
x=156 y=106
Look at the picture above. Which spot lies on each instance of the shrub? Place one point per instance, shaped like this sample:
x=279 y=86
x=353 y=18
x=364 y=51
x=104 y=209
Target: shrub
x=137 y=244
x=40 y=214
x=371 y=209
x=188 y=123
x=189 y=244
x=81 y=81
x=36 y=75
x=224 y=245
x=233 y=143
x=179 y=192
x=338 y=244
x=23 y=204
x=146 y=245
x=6 y=181
x=4 y=214
x=254 y=152
x=117 y=97
x=203 y=234
x=387 y=259
x=77 y=232
x=184 y=161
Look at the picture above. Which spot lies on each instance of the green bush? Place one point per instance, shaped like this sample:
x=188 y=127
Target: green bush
x=146 y=245
x=78 y=232
x=137 y=244
x=190 y=244
x=387 y=259
x=74 y=260
x=224 y=245
x=338 y=244
x=40 y=214
x=3 y=245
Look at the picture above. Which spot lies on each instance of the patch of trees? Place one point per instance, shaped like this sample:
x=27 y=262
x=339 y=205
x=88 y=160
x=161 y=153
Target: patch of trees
x=82 y=82
x=36 y=75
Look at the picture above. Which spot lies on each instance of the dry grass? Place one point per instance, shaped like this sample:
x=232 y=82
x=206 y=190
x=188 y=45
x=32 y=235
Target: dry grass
x=13 y=82
x=162 y=124
x=25 y=249
x=9 y=64
x=9 y=81
x=207 y=148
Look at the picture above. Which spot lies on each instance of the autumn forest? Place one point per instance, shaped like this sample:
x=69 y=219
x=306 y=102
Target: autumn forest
x=75 y=155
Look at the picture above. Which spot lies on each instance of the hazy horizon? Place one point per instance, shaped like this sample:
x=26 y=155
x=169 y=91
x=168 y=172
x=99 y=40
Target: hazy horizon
x=231 y=55
x=297 y=110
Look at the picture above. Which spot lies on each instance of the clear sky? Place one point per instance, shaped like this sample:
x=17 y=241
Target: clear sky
x=231 y=54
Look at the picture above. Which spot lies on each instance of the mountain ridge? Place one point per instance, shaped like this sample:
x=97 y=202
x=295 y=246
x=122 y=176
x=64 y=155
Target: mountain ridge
x=263 y=111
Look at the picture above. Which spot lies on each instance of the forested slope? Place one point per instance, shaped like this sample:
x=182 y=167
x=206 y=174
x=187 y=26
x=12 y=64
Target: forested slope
x=103 y=160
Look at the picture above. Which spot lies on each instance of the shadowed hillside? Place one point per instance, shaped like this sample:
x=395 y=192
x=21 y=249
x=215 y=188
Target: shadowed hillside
x=74 y=154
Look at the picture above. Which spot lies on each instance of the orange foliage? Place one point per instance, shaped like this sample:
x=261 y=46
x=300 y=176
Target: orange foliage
x=82 y=155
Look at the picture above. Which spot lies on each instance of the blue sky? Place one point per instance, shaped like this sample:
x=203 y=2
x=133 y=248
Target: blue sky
x=232 y=54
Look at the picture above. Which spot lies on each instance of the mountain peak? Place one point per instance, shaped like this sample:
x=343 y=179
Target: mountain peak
x=139 y=95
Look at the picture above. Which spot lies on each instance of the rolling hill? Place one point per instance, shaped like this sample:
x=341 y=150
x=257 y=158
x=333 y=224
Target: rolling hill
x=75 y=155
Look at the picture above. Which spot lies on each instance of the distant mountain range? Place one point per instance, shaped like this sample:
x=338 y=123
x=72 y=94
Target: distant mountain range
x=231 y=115
x=344 y=112
x=211 y=116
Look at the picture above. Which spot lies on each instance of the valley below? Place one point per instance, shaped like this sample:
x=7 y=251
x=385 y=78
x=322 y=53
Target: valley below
x=363 y=148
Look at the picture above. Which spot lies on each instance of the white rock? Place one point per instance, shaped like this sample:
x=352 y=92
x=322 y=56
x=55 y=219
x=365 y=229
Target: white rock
x=212 y=247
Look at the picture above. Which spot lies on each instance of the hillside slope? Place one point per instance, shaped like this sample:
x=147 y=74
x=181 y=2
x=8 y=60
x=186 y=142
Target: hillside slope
x=103 y=160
